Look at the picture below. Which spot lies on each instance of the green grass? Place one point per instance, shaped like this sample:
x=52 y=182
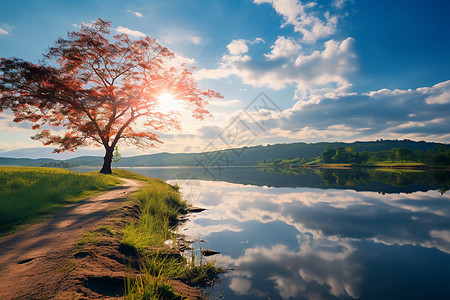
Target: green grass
x=402 y=164
x=313 y=162
x=160 y=205
x=67 y=268
x=92 y=236
x=398 y=171
x=29 y=194
x=150 y=288
x=88 y=238
x=132 y=175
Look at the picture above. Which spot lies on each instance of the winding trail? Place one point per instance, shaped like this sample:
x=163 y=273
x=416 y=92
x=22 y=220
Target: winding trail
x=31 y=259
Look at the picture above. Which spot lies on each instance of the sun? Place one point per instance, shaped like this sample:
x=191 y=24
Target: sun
x=168 y=103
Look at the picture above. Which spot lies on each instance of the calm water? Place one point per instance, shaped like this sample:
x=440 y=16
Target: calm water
x=309 y=234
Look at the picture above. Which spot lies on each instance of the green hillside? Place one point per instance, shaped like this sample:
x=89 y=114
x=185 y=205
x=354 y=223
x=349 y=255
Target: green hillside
x=246 y=156
x=7 y=161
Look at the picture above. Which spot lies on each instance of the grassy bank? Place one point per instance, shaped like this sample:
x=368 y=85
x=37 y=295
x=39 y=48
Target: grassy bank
x=160 y=205
x=131 y=243
x=28 y=194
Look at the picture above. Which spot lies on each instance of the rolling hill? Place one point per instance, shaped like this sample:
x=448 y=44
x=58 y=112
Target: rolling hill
x=246 y=156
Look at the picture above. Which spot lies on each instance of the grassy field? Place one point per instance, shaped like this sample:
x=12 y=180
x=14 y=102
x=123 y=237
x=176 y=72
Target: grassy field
x=28 y=194
x=399 y=164
x=160 y=206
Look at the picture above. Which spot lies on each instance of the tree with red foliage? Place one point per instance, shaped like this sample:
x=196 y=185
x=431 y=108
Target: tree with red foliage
x=98 y=91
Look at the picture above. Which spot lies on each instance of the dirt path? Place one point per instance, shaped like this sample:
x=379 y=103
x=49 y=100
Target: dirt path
x=31 y=259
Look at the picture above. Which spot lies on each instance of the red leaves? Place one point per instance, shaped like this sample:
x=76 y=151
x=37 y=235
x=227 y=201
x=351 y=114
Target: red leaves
x=102 y=86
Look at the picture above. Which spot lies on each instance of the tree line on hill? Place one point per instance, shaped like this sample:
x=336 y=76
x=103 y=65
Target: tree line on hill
x=440 y=156
x=60 y=164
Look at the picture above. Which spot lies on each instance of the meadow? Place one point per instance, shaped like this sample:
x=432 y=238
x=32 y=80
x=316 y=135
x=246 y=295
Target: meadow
x=31 y=194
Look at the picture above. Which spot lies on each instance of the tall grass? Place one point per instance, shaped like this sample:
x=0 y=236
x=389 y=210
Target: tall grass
x=160 y=206
x=151 y=288
x=26 y=194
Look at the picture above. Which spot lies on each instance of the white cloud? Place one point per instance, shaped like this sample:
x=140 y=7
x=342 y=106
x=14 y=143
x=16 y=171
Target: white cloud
x=420 y=114
x=439 y=99
x=130 y=32
x=439 y=94
x=223 y=103
x=284 y=47
x=240 y=285
x=6 y=29
x=179 y=60
x=7 y=125
x=136 y=13
x=258 y=40
x=289 y=62
x=197 y=232
x=83 y=24
x=179 y=36
x=339 y=3
x=309 y=22
x=321 y=71
x=237 y=47
x=212 y=74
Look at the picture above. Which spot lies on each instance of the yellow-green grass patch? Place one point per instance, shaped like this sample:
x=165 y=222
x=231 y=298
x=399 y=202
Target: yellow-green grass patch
x=30 y=194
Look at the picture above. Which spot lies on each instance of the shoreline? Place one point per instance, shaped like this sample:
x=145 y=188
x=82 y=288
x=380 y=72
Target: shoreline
x=101 y=248
x=356 y=166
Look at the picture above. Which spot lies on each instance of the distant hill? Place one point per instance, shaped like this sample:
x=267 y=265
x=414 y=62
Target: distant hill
x=246 y=156
x=7 y=161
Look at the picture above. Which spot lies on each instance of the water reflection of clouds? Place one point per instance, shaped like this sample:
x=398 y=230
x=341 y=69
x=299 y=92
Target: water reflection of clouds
x=302 y=272
x=329 y=226
x=430 y=202
x=198 y=231
x=393 y=218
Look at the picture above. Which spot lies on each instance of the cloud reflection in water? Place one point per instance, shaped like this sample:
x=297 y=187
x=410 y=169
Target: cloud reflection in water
x=303 y=243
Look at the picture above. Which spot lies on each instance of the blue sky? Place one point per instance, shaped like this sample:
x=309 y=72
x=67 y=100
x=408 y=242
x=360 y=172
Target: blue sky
x=338 y=70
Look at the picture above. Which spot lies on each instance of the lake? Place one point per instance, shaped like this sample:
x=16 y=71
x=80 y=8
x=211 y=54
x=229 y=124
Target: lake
x=320 y=234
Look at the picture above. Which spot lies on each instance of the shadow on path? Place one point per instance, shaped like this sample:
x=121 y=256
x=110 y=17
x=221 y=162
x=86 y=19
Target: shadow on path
x=30 y=258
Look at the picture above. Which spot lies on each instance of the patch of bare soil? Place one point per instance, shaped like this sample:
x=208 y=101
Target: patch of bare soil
x=97 y=268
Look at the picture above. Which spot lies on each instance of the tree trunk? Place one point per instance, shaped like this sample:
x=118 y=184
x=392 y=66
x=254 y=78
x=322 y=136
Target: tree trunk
x=106 y=169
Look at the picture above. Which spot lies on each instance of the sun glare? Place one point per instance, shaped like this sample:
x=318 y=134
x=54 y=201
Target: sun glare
x=167 y=103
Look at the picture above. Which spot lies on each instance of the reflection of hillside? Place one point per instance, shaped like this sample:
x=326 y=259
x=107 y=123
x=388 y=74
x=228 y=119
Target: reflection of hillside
x=355 y=179
x=392 y=180
x=287 y=171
